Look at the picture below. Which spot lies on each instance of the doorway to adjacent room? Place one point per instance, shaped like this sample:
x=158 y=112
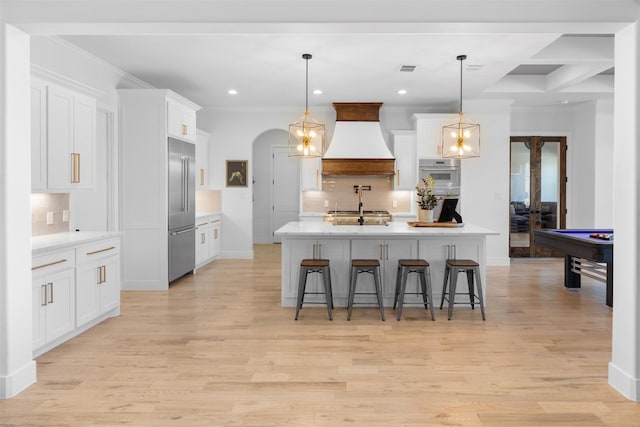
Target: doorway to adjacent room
x=537 y=191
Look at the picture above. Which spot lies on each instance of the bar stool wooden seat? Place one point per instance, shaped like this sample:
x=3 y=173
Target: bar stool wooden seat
x=423 y=269
x=308 y=266
x=471 y=268
x=370 y=266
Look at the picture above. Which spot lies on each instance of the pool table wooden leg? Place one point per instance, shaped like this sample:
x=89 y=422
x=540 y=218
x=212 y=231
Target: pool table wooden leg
x=571 y=279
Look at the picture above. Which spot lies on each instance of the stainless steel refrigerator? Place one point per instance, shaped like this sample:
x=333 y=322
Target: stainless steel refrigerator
x=182 y=208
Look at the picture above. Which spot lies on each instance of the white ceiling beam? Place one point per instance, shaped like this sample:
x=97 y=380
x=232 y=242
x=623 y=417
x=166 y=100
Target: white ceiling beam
x=573 y=74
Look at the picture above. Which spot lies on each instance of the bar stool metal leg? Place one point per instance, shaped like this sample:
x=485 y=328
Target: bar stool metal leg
x=376 y=279
x=470 y=274
x=402 y=286
x=326 y=282
x=480 y=296
x=453 y=282
x=352 y=291
x=428 y=296
x=444 y=285
x=398 y=278
x=302 y=281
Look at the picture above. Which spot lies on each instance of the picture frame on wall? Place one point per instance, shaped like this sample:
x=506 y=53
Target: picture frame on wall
x=237 y=173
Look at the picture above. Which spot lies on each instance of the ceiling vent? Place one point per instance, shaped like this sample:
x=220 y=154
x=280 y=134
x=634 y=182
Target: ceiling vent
x=407 y=68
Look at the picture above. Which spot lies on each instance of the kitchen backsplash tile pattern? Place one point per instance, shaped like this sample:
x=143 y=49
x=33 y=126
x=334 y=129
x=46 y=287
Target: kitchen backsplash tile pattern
x=340 y=194
x=54 y=204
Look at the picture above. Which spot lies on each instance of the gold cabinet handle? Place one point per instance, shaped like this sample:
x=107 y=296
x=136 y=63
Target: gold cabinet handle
x=99 y=271
x=317 y=177
x=50 y=285
x=203 y=238
x=184 y=130
x=398 y=174
x=48 y=264
x=101 y=250
x=43 y=295
x=201 y=176
x=78 y=167
x=104 y=273
x=73 y=168
x=215 y=233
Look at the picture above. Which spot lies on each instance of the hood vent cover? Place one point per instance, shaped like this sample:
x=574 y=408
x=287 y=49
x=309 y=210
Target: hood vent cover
x=357 y=146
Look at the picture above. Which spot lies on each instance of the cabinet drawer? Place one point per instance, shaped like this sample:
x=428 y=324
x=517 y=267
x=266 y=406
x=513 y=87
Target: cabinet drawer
x=97 y=250
x=45 y=264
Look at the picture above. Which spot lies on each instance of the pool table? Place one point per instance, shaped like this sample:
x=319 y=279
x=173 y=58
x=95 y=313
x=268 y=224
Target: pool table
x=584 y=255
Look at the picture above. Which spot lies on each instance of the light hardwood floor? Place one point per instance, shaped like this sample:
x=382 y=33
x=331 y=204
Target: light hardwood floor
x=218 y=350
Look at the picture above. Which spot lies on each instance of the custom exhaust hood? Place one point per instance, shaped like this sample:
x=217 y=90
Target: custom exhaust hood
x=357 y=146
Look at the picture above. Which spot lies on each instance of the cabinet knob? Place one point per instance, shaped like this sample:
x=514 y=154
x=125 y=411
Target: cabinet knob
x=184 y=130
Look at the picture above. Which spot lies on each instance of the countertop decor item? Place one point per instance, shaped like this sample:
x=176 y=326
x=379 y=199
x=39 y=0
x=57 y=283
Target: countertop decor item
x=427 y=199
x=461 y=139
x=306 y=136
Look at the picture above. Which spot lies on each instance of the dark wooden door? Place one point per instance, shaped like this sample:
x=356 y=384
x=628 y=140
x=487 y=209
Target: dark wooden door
x=538 y=188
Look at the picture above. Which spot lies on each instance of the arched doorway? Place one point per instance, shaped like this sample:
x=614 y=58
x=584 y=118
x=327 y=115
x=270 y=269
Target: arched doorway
x=276 y=185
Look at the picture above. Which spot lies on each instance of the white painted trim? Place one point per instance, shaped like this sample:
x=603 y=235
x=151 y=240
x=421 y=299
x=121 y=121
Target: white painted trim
x=113 y=218
x=59 y=79
x=18 y=381
x=624 y=383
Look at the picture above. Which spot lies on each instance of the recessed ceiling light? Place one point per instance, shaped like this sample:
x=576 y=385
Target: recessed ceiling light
x=317 y=92
x=402 y=92
x=232 y=92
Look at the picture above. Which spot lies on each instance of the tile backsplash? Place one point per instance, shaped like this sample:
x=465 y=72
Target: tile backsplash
x=340 y=194
x=53 y=203
x=208 y=201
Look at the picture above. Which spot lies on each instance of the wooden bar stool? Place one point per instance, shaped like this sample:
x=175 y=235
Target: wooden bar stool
x=422 y=268
x=370 y=266
x=472 y=268
x=308 y=266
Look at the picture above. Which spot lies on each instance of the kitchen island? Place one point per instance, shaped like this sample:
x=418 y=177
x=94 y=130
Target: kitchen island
x=387 y=243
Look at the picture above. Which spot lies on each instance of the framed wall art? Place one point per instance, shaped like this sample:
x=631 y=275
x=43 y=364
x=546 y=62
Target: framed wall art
x=237 y=173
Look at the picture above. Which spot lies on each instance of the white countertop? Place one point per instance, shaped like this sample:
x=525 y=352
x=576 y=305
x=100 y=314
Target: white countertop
x=206 y=214
x=48 y=242
x=393 y=229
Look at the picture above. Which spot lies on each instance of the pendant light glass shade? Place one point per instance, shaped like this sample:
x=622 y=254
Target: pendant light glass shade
x=306 y=136
x=461 y=139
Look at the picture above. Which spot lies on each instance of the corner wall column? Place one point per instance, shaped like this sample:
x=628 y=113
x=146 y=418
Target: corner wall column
x=624 y=368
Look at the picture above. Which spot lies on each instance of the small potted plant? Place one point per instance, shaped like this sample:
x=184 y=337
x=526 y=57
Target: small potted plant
x=427 y=200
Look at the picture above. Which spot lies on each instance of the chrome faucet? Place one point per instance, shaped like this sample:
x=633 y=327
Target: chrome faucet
x=360 y=205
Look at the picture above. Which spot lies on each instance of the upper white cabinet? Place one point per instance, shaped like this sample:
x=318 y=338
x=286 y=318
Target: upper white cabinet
x=181 y=121
x=405 y=150
x=311 y=174
x=63 y=138
x=429 y=132
x=202 y=160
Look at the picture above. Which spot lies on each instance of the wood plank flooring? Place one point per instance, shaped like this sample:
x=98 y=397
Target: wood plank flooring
x=218 y=350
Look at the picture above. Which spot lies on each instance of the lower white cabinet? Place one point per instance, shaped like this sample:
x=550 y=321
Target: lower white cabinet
x=97 y=280
x=388 y=252
x=53 y=297
x=72 y=290
x=208 y=230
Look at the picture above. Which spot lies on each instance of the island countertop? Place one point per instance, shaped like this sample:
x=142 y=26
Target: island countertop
x=392 y=229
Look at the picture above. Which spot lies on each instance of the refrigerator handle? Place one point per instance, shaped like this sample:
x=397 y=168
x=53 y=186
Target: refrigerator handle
x=186 y=184
x=175 y=233
x=184 y=180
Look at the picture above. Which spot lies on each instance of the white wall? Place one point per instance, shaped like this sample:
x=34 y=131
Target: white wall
x=603 y=196
x=17 y=367
x=583 y=162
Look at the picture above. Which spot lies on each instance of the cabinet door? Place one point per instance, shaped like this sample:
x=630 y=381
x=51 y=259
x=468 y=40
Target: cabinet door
x=87 y=302
x=38 y=136
x=202 y=243
x=214 y=239
x=405 y=151
x=59 y=137
x=39 y=312
x=84 y=140
x=60 y=304
x=311 y=174
x=109 y=289
x=181 y=121
x=202 y=160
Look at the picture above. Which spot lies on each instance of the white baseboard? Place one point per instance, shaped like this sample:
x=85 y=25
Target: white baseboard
x=624 y=383
x=13 y=384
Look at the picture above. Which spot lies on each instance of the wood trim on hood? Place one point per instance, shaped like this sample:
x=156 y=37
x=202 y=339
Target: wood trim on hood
x=358 y=167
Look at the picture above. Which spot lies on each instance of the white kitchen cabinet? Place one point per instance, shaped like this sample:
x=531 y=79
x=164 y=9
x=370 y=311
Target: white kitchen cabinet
x=181 y=121
x=406 y=154
x=71 y=139
x=311 y=174
x=97 y=280
x=437 y=250
x=202 y=160
x=207 y=238
x=53 y=297
x=336 y=251
x=388 y=252
x=38 y=135
x=148 y=117
x=214 y=234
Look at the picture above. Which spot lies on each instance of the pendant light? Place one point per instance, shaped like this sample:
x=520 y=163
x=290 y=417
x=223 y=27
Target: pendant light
x=461 y=139
x=306 y=136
